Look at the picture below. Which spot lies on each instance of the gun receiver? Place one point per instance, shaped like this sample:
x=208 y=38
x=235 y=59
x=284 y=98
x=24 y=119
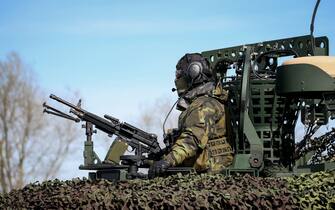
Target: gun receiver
x=141 y=142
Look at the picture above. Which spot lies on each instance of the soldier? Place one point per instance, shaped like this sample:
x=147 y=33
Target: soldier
x=202 y=142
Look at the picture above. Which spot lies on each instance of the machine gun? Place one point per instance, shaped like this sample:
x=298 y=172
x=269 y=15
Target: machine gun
x=116 y=165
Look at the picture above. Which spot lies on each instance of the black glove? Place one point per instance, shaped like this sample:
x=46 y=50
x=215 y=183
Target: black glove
x=159 y=167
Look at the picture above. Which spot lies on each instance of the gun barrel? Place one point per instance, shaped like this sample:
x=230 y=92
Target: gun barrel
x=60 y=100
x=63 y=115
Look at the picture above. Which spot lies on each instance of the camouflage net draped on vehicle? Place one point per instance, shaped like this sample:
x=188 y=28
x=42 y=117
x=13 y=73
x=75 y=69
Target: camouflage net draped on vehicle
x=315 y=191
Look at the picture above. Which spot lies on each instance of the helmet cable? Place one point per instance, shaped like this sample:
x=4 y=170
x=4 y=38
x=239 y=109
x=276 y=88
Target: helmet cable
x=167 y=116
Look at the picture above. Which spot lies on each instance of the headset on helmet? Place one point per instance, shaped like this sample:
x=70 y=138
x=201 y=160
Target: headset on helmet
x=192 y=65
x=191 y=70
x=194 y=69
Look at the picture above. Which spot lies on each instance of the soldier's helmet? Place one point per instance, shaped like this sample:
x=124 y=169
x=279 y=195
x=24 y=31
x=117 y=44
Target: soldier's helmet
x=192 y=70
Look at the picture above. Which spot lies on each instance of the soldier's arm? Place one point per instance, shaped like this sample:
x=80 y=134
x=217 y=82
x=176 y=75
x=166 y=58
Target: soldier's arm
x=194 y=136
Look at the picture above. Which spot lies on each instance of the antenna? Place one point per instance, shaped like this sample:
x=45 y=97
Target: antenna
x=312 y=25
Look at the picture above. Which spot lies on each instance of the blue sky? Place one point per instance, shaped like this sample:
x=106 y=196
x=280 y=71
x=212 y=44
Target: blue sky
x=121 y=55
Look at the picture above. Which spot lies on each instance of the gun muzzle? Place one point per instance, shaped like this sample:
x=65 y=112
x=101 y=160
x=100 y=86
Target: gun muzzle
x=56 y=98
x=58 y=113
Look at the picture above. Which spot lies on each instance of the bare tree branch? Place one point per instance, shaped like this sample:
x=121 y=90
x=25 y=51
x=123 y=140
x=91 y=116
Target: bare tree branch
x=27 y=149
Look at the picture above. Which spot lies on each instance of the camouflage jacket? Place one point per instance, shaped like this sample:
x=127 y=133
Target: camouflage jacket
x=202 y=143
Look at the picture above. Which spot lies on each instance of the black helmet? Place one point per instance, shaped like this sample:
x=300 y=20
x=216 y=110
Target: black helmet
x=192 y=70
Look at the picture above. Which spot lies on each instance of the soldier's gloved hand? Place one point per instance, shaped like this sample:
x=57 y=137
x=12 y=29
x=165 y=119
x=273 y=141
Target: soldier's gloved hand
x=159 y=167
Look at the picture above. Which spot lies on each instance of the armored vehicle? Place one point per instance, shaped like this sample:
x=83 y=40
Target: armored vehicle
x=271 y=85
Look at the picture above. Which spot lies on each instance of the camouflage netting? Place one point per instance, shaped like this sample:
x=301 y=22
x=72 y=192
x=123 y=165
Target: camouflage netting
x=179 y=192
x=314 y=191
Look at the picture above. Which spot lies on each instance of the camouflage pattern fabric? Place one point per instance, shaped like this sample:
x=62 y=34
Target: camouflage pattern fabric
x=202 y=143
x=313 y=191
x=190 y=191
